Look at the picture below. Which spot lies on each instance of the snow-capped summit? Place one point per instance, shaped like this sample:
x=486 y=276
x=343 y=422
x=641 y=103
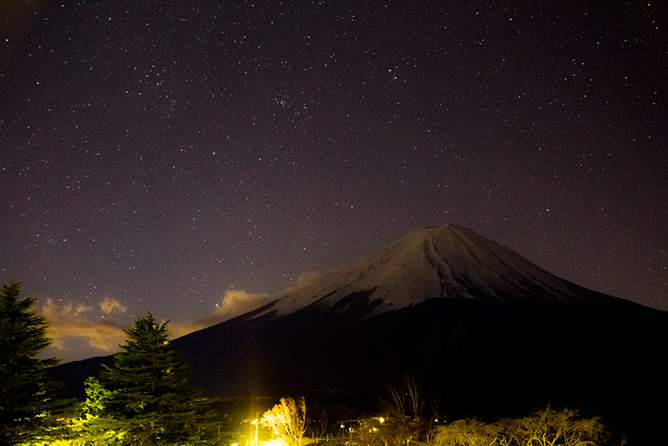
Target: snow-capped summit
x=433 y=262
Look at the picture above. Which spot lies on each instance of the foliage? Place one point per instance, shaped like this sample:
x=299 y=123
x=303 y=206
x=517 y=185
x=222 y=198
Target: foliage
x=381 y=431
x=406 y=399
x=467 y=433
x=144 y=397
x=406 y=421
x=547 y=427
x=91 y=423
x=30 y=406
x=287 y=420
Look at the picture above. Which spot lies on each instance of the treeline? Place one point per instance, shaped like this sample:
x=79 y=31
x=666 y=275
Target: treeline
x=143 y=398
x=405 y=422
x=413 y=417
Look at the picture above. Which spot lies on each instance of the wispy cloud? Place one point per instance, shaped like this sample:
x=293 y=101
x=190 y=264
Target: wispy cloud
x=75 y=327
x=306 y=278
x=233 y=303
x=93 y=325
x=238 y=302
x=68 y=320
x=110 y=305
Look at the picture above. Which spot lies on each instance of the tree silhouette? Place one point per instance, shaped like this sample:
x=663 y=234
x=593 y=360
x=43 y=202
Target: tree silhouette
x=143 y=398
x=30 y=407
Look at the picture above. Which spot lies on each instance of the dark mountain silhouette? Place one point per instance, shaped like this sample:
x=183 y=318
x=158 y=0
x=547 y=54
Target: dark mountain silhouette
x=483 y=328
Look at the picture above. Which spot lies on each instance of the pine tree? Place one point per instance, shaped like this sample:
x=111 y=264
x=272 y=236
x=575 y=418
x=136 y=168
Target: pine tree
x=90 y=426
x=30 y=407
x=143 y=398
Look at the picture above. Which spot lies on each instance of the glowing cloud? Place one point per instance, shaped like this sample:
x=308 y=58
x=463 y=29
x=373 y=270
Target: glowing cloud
x=65 y=310
x=110 y=305
x=67 y=320
x=87 y=330
x=101 y=335
x=238 y=302
x=234 y=303
x=305 y=279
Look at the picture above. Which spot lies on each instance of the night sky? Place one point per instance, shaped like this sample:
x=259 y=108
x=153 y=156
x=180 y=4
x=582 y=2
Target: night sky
x=196 y=159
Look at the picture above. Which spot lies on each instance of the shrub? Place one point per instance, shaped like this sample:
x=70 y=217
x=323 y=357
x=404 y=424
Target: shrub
x=547 y=427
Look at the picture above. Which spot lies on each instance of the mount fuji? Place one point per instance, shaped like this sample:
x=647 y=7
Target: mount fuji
x=436 y=262
x=482 y=327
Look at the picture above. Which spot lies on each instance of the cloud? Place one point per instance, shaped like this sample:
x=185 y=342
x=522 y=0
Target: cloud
x=53 y=311
x=305 y=279
x=234 y=303
x=178 y=329
x=110 y=305
x=68 y=320
x=80 y=331
x=238 y=302
x=101 y=335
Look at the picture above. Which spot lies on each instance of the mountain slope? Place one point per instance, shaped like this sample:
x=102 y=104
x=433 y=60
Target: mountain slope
x=370 y=322
x=487 y=331
x=444 y=261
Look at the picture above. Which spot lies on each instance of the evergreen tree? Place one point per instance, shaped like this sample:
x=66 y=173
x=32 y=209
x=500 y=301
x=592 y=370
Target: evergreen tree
x=30 y=407
x=143 y=398
x=91 y=428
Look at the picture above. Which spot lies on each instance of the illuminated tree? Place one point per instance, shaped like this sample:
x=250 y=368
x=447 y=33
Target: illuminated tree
x=144 y=397
x=30 y=407
x=405 y=422
x=91 y=426
x=287 y=420
x=546 y=427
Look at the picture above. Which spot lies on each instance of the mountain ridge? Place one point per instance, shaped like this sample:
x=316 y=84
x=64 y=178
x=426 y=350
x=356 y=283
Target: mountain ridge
x=486 y=329
x=436 y=261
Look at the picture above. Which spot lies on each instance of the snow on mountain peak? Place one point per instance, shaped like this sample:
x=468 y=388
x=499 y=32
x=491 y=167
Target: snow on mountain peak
x=433 y=262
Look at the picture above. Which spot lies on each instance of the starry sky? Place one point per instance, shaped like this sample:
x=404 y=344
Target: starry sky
x=196 y=159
